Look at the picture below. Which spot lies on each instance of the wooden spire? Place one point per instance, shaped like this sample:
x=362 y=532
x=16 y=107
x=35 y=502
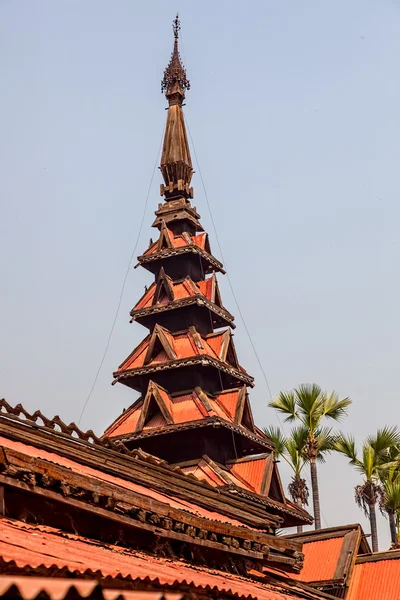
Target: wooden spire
x=176 y=163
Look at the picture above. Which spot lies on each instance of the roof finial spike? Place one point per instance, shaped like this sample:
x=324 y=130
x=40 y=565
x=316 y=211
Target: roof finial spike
x=176 y=26
x=174 y=82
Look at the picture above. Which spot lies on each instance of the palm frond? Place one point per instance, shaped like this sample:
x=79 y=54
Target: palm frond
x=309 y=401
x=325 y=442
x=334 y=408
x=346 y=445
x=285 y=403
x=276 y=436
x=384 y=440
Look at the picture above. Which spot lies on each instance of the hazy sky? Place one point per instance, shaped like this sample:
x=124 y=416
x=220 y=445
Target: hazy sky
x=294 y=112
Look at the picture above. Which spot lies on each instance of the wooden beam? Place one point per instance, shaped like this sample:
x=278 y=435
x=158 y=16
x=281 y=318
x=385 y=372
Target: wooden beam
x=2 y=502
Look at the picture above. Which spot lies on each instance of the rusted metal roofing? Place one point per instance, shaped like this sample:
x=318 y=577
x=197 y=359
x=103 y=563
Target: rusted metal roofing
x=43 y=548
x=378 y=578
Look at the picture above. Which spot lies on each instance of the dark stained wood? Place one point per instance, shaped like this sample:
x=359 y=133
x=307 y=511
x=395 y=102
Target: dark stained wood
x=2 y=501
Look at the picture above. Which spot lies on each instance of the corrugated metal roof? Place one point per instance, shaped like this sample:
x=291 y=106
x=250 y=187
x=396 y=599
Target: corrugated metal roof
x=229 y=401
x=376 y=580
x=251 y=471
x=38 y=546
x=57 y=588
x=320 y=559
x=127 y=421
x=185 y=409
x=183 y=345
x=179 y=241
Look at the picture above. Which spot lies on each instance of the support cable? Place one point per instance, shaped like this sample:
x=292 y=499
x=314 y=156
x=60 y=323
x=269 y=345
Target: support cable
x=122 y=287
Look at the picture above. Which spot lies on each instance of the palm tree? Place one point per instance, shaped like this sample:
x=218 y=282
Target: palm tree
x=390 y=501
x=308 y=404
x=373 y=461
x=290 y=449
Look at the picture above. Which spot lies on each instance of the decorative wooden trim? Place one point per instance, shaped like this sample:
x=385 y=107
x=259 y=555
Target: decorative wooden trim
x=143 y=259
x=165 y=239
x=202 y=396
x=158 y=334
x=198 y=299
x=377 y=556
x=347 y=555
x=153 y=392
x=204 y=361
x=47 y=479
x=267 y=477
x=140 y=468
x=163 y=283
x=240 y=405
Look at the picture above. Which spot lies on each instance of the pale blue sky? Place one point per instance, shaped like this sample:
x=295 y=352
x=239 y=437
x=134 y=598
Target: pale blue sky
x=294 y=115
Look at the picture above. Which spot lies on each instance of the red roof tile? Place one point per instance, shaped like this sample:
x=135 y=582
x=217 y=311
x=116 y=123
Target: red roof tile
x=376 y=580
x=320 y=559
x=39 y=546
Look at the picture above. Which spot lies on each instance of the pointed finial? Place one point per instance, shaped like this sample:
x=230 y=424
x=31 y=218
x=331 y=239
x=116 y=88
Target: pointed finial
x=176 y=26
x=174 y=82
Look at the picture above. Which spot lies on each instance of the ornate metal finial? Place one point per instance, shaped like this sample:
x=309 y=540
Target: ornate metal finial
x=174 y=82
x=176 y=26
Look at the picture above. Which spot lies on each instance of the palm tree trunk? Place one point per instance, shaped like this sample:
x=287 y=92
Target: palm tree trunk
x=315 y=494
x=299 y=527
x=374 y=529
x=393 y=528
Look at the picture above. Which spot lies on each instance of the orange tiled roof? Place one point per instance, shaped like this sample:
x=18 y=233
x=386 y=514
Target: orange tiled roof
x=184 y=344
x=378 y=578
x=41 y=547
x=182 y=408
x=179 y=241
x=179 y=290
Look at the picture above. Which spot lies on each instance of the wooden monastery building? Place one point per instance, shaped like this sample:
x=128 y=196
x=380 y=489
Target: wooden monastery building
x=181 y=497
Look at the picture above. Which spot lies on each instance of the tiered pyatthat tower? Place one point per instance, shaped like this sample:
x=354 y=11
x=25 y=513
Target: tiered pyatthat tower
x=194 y=409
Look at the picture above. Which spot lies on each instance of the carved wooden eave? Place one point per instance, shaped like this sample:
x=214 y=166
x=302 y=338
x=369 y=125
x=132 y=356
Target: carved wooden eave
x=198 y=300
x=210 y=263
x=47 y=478
x=177 y=210
x=201 y=361
x=161 y=297
x=214 y=422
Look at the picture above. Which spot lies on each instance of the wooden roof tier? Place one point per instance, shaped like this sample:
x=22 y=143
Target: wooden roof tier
x=177 y=250
x=176 y=213
x=166 y=295
x=163 y=351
